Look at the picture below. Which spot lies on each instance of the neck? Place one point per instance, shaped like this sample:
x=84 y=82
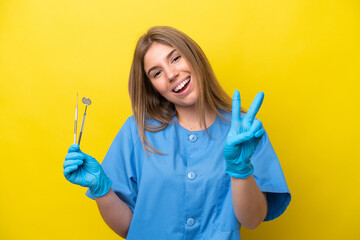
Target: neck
x=189 y=118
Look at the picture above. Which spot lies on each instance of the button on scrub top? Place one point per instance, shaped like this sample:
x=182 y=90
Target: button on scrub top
x=185 y=192
x=191 y=175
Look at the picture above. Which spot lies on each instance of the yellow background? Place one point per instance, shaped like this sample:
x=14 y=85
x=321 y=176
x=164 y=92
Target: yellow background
x=303 y=54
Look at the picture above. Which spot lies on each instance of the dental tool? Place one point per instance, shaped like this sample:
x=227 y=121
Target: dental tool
x=87 y=102
x=76 y=116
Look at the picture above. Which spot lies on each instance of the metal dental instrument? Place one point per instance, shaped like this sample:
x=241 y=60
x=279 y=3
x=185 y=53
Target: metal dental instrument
x=87 y=102
x=76 y=116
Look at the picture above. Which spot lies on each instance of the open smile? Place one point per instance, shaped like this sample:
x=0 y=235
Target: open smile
x=182 y=86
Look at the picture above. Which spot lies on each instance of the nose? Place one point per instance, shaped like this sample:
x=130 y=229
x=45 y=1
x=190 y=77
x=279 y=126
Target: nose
x=172 y=73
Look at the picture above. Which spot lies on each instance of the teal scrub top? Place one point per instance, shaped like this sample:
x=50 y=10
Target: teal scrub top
x=185 y=192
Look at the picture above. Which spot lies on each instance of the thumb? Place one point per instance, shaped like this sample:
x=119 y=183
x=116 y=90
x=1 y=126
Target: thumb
x=74 y=148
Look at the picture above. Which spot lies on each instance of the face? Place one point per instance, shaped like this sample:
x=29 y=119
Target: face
x=171 y=74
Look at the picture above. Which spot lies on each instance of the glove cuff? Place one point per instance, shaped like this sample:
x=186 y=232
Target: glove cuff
x=239 y=171
x=103 y=186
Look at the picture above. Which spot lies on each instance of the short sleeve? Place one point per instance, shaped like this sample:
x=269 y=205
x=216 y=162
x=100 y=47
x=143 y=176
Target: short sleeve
x=270 y=178
x=119 y=165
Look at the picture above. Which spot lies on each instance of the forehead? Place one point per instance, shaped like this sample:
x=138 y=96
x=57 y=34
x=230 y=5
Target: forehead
x=156 y=53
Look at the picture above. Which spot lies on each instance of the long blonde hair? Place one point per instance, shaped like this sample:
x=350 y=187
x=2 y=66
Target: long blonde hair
x=146 y=101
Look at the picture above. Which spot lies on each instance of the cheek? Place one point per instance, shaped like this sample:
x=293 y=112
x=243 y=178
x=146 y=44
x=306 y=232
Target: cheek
x=159 y=86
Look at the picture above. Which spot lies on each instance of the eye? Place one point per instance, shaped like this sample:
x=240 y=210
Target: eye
x=157 y=74
x=175 y=59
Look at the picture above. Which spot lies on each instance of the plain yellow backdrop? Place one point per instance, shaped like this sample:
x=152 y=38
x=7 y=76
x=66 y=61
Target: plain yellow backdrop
x=303 y=54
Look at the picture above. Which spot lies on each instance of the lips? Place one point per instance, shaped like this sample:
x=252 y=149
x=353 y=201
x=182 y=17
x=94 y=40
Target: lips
x=181 y=85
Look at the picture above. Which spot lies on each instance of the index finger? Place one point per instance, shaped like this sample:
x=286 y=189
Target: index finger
x=236 y=104
x=255 y=106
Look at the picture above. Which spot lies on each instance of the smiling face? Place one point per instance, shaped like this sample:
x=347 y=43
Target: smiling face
x=171 y=75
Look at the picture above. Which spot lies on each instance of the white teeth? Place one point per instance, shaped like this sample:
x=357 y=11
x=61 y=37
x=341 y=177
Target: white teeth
x=181 y=85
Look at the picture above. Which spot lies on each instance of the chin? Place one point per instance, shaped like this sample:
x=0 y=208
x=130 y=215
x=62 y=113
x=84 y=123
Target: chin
x=186 y=104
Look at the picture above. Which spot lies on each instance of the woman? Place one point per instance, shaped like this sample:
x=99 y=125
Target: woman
x=179 y=168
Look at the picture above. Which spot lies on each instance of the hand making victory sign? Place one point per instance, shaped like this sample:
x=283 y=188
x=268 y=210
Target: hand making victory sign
x=243 y=137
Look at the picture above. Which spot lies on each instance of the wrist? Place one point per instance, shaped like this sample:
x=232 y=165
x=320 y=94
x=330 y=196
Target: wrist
x=102 y=187
x=240 y=170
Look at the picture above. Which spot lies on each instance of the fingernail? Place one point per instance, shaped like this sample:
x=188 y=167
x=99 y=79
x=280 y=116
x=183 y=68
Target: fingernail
x=236 y=94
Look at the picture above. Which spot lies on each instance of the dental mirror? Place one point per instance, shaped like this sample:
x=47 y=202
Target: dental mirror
x=87 y=102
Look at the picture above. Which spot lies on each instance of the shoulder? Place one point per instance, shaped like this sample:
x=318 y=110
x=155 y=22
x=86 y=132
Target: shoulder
x=129 y=130
x=225 y=114
x=130 y=127
x=129 y=124
x=152 y=122
x=225 y=117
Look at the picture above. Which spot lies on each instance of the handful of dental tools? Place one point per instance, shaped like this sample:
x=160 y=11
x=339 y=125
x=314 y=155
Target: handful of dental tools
x=87 y=102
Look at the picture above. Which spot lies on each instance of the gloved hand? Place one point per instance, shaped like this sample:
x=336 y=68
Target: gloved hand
x=84 y=170
x=243 y=137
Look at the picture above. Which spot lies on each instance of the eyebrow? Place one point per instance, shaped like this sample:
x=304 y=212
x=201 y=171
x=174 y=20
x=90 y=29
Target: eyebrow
x=168 y=56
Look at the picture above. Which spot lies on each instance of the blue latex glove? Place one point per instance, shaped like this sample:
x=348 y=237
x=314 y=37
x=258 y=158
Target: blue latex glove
x=84 y=170
x=243 y=137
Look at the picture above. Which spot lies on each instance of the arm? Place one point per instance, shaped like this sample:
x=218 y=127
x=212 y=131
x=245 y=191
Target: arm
x=84 y=170
x=115 y=213
x=249 y=202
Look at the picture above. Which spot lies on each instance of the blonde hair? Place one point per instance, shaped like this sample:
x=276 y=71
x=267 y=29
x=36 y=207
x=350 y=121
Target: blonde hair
x=146 y=101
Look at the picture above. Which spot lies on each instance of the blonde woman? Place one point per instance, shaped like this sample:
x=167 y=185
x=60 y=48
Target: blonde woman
x=189 y=163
